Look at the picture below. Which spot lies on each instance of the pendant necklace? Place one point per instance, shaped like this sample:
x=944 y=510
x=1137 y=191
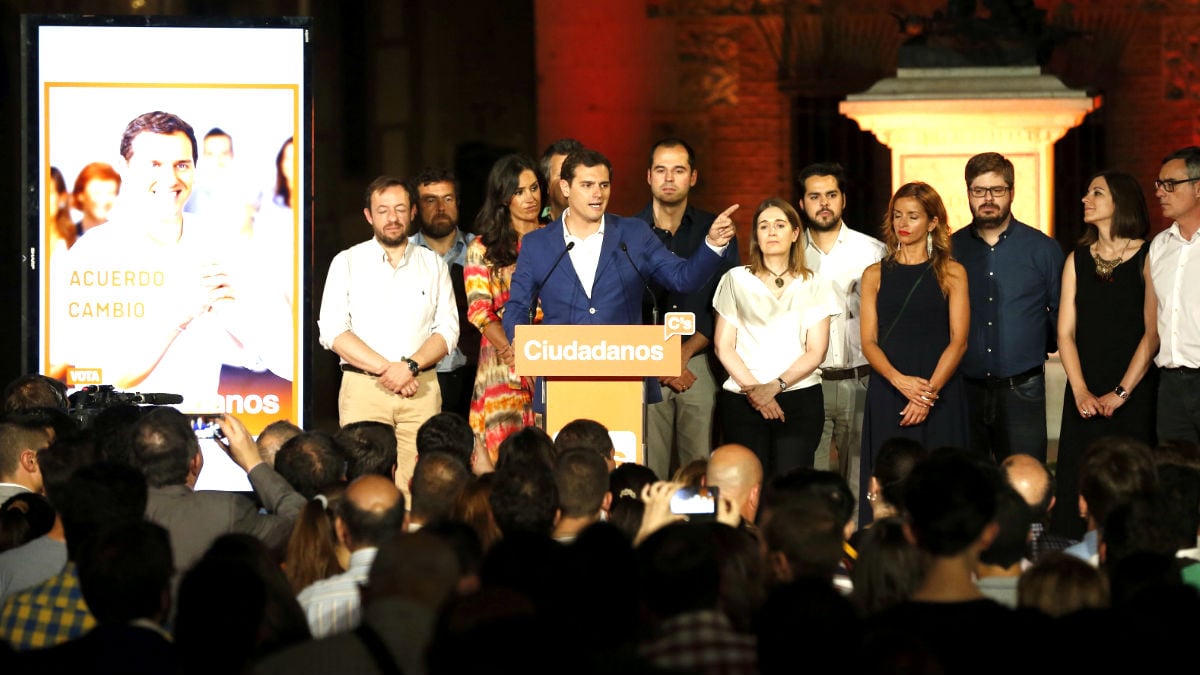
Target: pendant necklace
x=1104 y=268
x=778 y=277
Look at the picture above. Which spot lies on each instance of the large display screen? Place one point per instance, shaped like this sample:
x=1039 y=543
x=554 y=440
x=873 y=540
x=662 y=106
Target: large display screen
x=172 y=209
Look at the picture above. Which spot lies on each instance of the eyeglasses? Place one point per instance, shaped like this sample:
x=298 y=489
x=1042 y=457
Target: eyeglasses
x=1169 y=184
x=997 y=191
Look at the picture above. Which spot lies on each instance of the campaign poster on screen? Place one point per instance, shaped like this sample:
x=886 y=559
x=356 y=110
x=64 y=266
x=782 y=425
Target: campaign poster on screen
x=171 y=237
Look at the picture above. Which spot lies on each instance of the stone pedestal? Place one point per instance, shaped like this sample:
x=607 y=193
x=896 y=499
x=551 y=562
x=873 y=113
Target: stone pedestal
x=935 y=119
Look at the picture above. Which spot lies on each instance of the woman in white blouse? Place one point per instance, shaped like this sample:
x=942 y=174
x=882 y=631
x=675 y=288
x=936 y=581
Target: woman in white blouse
x=771 y=333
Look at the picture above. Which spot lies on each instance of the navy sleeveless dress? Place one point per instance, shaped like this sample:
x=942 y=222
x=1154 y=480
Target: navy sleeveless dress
x=913 y=340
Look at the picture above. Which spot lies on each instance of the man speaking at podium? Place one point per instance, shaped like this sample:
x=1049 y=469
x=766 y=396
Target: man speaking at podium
x=591 y=268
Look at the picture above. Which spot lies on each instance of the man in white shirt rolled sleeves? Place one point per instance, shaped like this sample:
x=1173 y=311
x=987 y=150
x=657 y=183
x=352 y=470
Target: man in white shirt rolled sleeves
x=388 y=312
x=838 y=254
x=1175 y=293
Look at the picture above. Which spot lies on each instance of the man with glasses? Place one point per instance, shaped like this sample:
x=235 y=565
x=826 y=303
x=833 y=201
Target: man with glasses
x=1175 y=272
x=1014 y=274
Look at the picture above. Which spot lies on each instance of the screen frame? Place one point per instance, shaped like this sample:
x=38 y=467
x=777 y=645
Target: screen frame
x=32 y=182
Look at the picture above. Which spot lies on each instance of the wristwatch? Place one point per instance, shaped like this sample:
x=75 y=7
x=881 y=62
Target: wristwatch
x=1120 y=392
x=782 y=384
x=412 y=365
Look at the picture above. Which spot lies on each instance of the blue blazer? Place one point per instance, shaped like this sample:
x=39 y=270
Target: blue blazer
x=617 y=290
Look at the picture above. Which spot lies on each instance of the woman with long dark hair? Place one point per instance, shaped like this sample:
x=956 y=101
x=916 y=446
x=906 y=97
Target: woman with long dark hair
x=1107 y=335
x=915 y=320
x=502 y=401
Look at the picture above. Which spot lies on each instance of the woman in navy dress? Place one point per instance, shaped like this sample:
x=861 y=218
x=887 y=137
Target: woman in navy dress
x=915 y=320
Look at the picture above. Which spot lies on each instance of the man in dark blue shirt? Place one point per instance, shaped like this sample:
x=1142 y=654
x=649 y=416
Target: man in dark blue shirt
x=683 y=419
x=1014 y=273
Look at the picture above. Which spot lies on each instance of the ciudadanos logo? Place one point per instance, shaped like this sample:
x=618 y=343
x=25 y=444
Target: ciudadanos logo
x=617 y=344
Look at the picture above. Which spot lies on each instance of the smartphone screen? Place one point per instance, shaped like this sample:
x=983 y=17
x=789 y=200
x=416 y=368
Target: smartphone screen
x=205 y=425
x=695 y=501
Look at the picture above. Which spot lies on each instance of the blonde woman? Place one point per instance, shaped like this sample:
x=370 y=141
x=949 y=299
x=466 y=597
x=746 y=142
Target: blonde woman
x=771 y=333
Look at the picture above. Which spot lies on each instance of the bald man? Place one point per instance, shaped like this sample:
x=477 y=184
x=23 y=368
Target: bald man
x=735 y=470
x=1033 y=481
x=371 y=511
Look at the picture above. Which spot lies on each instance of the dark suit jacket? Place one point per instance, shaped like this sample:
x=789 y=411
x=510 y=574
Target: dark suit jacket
x=617 y=290
x=196 y=519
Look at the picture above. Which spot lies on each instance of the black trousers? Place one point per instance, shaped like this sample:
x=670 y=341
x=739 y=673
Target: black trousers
x=457 y=387
x=780 y=445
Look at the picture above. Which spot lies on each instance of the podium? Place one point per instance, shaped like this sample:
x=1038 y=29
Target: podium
x=597 y=373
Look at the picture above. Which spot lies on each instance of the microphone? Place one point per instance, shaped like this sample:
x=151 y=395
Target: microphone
x=156 y=399
x=538 y=291
x=653 y=299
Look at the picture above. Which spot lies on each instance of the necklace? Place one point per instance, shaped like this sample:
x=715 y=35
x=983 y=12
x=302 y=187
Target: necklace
x=778 y=277
x=1104 y=268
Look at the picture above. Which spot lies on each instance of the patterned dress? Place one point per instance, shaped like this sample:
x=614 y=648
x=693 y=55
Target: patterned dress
x=502 y=402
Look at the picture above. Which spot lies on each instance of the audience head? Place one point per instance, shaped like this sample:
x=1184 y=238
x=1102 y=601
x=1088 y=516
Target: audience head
x=371 y=511
x=369 y=447
x=23 y=518
x=804 y=482
x=1013 y=521
x=743 y=586
x=60 y=461
x=582 y=480
x=584 y=434
x=692 y=473
x=96 y=496
x=951 y=503
x=896 y=459
x=530 y=444
x=803 y=537
x=236 y=597
x=34 y=391
x=1186 y=453
x=420 y=567
x=310 y=462
x=678 y=570
x=312 y=552
x=1112 y=471
x=817 y=611
x=272 y=438
x=20 y=446
x=628 y=480
x=1060 y=583
x=1033 y=481
x=447 y=432
x=468 y=549
x=112 y=429
x=125 y=573
x=165 y=448
x=524 y=495
x=437 y=482
x=738 y=473
x=888 y=569
x=475 y=509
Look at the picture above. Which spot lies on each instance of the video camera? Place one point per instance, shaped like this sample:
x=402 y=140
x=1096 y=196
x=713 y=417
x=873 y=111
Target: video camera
x=86 y=403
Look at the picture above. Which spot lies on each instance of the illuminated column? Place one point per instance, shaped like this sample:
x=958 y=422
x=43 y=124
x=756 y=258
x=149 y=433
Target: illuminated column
x=935 y=119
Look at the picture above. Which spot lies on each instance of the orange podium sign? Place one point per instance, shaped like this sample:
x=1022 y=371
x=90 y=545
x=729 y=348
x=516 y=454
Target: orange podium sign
x=596 y=372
